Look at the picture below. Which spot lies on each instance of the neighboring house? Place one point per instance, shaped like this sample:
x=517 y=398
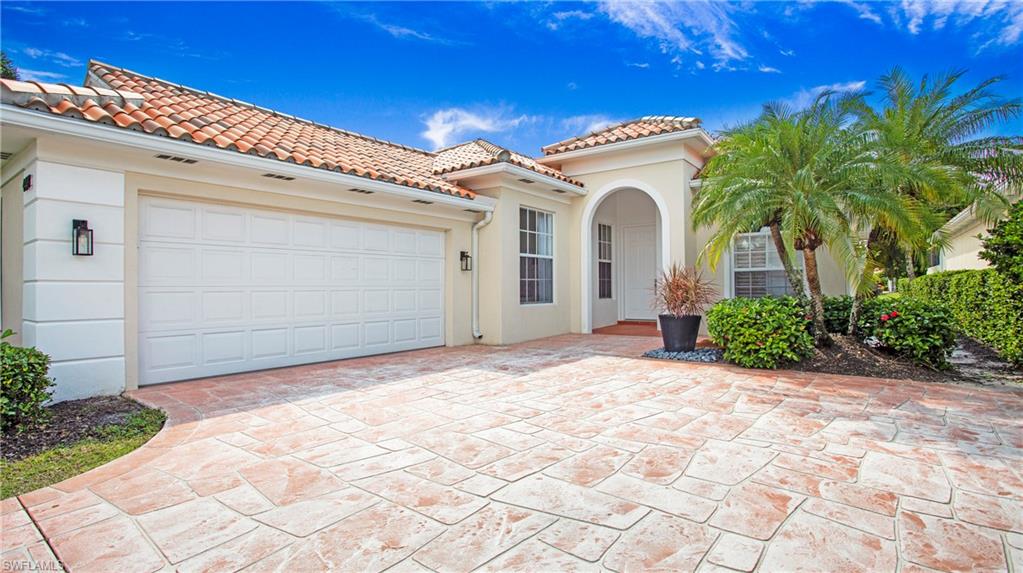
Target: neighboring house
x=964 y=236
x=229 y=237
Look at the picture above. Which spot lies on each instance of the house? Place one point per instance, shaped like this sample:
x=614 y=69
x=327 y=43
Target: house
x=154 y=232
x=963 y=234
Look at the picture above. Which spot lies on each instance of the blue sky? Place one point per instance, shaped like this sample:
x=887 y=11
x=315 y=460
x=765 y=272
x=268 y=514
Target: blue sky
x=522 y=74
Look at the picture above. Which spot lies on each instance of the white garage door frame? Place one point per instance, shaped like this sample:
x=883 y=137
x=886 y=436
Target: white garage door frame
x=225 y=288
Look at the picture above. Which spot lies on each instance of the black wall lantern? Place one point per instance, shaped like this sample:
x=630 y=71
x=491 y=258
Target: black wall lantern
x=81 y=238
x=466 y=261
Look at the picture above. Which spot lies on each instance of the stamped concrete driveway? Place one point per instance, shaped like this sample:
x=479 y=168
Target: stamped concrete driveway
x=562 y=454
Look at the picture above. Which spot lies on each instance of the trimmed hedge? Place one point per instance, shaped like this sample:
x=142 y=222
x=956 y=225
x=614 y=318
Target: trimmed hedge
x=923 y=331
x=760 y=332
x=986 y=305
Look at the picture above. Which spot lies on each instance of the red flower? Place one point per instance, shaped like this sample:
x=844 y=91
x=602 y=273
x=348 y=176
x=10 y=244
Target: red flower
x=884 y=318
x=894 y=313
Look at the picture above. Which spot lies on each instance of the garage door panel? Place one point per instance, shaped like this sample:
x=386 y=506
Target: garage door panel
x=269 y=343
x=270 y=230
x=223 y=347
x=223 y=224
x=223 y=306
x=227 y=289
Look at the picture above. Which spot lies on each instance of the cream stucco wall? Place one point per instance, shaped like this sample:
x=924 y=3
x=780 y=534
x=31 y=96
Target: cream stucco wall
x=964 y=247
x=503 y=320
x=12 y=254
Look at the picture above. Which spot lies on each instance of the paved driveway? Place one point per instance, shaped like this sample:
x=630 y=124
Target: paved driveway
x=562 y=454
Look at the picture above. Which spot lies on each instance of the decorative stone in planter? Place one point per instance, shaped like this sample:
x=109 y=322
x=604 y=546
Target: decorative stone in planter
x=697 y=355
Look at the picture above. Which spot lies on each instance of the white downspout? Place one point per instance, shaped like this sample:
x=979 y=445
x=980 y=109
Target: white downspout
x=487 y=217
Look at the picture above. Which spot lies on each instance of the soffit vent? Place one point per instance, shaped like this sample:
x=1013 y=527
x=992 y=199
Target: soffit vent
x=362 y=191
x=176 y=159
x=276 y=176
x=472 y=210
x=562 y=191
x=422 y=201
x=527 y=181
x=5 y=155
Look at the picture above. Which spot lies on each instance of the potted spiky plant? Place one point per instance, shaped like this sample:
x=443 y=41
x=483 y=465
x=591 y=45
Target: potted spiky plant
x=681 y=295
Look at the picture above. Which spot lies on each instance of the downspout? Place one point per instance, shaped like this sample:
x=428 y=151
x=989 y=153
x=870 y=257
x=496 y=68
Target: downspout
x=475 y=248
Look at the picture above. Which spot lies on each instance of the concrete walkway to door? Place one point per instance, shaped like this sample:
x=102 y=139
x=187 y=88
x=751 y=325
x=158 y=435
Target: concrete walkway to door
x=567 y=453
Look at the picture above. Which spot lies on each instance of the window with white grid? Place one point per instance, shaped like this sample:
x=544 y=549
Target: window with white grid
x=536 y=256
x=757 y=270
x=604 y=261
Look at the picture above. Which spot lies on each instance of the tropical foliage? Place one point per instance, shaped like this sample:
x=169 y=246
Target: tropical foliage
x=1004 y=247
x=924 y=332
x=7 y=69
x=872 y=184
x=25 y=385
x=760 y=332
x=682 y=291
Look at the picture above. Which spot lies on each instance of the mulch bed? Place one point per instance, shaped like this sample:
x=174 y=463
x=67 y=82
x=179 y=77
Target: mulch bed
x=69 y=422
x=850 y=357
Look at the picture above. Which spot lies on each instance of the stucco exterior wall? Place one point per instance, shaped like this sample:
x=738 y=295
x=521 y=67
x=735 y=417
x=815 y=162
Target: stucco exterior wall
x=964 y=247
x=503 y=320
x=12 y=237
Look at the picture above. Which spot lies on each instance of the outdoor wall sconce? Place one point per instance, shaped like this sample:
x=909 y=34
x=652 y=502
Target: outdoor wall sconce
x=466 y=261
x=81 y=238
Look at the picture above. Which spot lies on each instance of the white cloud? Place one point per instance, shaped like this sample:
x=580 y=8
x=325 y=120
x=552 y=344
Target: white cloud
x=572 y=86
x=59 y=58
x=559 y=18
x=768 y=69
x=640 y=65
x=865 y=11
x=446 y=126
x=787 y=53
x=39 y=76
x=683 y=27
x=588 y=123
x=805 y=97
x=1003 y=18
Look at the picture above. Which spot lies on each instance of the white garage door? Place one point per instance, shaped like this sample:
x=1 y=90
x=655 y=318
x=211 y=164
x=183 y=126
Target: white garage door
x=228 y=289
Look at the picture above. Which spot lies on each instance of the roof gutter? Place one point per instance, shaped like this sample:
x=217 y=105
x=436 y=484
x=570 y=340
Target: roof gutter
x=487 y=217
x=16 y=116
x=516 y=171
x=697 y=132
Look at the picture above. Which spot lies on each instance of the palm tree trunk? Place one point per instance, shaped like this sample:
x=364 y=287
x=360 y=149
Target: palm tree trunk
x=857 y=305
x=910 y=265
x=813 y=280
x=795 y=279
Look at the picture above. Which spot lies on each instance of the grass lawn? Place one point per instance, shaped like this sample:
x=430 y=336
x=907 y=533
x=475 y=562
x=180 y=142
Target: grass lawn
x=68 y=460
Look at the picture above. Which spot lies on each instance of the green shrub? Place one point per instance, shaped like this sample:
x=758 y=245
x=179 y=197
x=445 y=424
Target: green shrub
x=836 y=313
x=760 y=332
x=25 y=384
x=1003 y=248
x=986 y=306
x=922 y=331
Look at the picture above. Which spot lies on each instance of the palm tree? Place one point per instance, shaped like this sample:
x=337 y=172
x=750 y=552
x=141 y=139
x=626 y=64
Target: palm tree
x=933 y=137
x=805 y=172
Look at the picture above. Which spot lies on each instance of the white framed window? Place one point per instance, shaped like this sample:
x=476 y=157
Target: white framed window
x=536 y=256
x=604 y=254
x=756 y=269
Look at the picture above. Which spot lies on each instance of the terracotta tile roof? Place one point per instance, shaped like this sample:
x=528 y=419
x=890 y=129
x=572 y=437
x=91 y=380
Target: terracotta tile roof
x=481 y=152
x=634 y=129
x=127 y=100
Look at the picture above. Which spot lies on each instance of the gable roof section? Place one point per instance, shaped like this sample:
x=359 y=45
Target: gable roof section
x=625 y=131
x=127 y=100
x=480 y=152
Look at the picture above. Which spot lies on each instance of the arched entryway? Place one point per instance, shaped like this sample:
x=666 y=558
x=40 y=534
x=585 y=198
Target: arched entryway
x=625 y=243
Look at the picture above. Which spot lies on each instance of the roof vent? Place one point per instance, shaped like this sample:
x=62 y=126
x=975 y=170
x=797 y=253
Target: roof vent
x=276 y=176
x=524 y=180
x=176 y=158
x=5 y=155
x=422 y=201
x=363 y=191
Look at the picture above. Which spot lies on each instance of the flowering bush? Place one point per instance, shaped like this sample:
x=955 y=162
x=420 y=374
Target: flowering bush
x=761 y=332
x=921 y=331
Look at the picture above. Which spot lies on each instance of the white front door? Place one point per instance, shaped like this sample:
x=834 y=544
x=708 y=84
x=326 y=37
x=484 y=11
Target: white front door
x=226 y=289
x=640 y=271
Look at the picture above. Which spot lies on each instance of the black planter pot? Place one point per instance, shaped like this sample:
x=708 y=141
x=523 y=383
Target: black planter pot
x=679 y=332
